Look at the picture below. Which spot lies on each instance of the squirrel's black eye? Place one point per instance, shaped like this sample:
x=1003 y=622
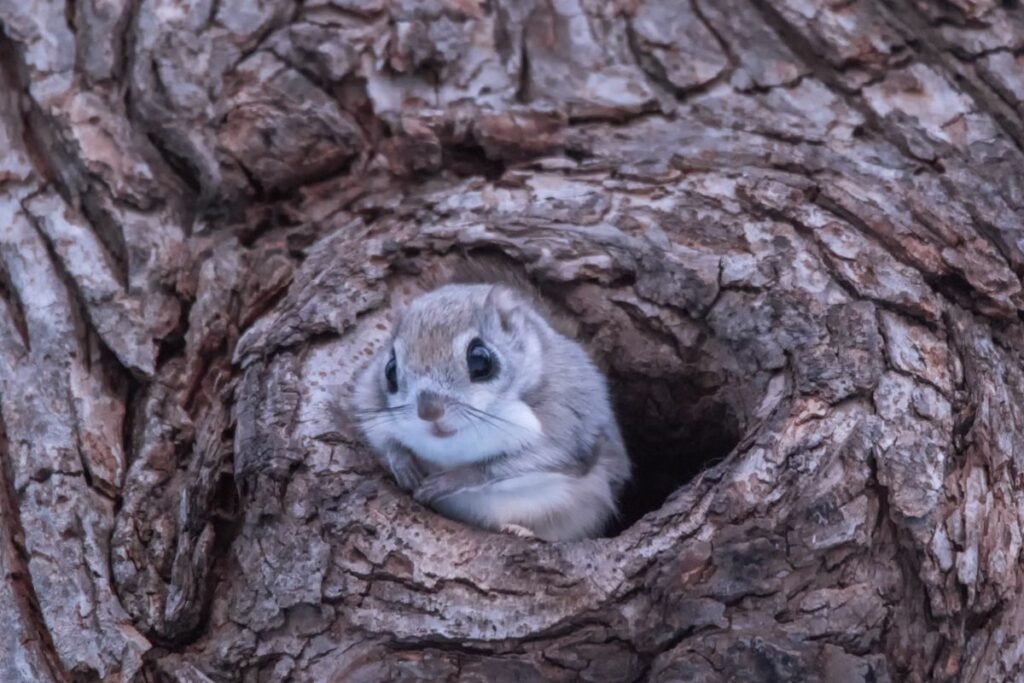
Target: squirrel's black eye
x=481 y=362
x=391 y=373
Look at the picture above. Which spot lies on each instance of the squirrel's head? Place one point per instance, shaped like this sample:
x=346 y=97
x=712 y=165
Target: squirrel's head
x=454 y=383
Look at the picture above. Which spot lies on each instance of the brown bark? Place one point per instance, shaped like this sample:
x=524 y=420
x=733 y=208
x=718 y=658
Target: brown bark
x=790 y=230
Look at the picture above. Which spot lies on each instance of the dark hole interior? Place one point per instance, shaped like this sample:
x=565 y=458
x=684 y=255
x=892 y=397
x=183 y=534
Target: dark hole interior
x=672 y=433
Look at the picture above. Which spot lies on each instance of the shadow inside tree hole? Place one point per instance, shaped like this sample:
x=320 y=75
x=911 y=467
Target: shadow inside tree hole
x=672 y=434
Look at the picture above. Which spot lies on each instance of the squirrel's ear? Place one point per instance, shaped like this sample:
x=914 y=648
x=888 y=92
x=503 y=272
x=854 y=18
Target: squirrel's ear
x=504 y=310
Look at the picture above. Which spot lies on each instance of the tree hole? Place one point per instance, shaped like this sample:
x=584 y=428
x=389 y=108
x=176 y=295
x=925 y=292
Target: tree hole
x=681 y=402
x=672 y=434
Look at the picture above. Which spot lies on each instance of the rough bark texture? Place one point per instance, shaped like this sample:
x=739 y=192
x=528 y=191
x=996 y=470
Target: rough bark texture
x=790 y=229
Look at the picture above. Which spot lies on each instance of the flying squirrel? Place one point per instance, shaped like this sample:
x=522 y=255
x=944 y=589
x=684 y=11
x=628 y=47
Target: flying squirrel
x=487 y=413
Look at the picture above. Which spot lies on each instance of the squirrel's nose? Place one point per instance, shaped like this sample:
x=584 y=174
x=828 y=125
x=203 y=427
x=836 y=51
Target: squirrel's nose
x=429 y=406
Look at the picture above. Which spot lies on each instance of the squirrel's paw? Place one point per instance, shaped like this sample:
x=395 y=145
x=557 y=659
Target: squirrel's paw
x=516 y=530
x=433 y=488
x=407 y=473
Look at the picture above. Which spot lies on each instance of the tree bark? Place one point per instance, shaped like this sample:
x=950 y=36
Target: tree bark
x=791 y=231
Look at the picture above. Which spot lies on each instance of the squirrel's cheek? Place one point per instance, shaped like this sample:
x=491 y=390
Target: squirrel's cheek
x=480 y=397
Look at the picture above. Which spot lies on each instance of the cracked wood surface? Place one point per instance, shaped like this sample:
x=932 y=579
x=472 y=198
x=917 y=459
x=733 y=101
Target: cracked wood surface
x=790 y=230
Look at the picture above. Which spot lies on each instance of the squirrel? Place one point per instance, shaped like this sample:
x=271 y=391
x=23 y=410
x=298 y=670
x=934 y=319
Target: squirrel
x=489 y=415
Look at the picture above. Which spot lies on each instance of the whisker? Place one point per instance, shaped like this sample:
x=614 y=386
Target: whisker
x=385 y=410
x=483 y=416
x=472 y=418
x=484 y=413
x=487 y=419
x=473 y=423
x=378 y=418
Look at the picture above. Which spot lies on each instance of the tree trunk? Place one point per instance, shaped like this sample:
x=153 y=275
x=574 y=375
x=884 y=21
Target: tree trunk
x=791 y=231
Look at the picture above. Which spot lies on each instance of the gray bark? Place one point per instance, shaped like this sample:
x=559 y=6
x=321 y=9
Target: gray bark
x=791 y=231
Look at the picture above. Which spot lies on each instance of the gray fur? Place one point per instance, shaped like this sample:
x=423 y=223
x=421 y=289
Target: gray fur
x=554 y=464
